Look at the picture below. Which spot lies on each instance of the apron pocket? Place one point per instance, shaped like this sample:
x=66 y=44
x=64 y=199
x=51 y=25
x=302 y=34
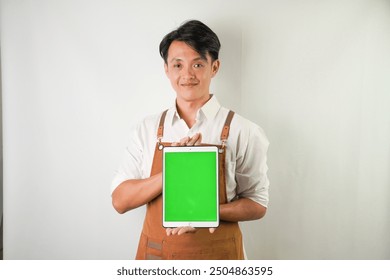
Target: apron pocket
x=225 y=249
x=222 y=255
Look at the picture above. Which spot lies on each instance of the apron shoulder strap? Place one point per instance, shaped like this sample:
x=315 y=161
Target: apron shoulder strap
x=226 y=127
x=160 y=131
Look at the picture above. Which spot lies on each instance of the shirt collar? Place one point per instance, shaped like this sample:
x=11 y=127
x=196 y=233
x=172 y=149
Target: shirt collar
x=208 y=111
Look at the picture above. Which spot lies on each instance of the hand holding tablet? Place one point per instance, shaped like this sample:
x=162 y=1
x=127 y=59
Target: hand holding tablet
x=195 y=140
x=183 y=230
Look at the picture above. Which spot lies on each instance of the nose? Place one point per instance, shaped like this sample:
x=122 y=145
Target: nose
x=188 y=72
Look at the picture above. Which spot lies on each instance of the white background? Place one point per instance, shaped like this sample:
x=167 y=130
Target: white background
x=76 y=75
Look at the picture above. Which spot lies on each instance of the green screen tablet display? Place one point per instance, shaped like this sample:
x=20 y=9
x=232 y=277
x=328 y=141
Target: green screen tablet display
x=190 y=186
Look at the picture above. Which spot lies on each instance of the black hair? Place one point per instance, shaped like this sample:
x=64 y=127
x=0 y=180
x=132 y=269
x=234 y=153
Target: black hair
x=195 y=34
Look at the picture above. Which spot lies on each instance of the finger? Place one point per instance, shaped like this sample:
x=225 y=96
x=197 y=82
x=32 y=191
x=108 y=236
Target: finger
x=184 y=141
x=168 y=231
x=199 y=141
x=194 y=139
x=211 y=230
x=183 y=230
x=174 y=231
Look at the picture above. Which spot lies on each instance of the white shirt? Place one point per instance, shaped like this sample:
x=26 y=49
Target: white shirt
x=246 y=149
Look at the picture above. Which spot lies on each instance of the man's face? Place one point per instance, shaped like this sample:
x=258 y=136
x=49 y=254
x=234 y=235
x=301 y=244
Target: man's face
x=189 y=73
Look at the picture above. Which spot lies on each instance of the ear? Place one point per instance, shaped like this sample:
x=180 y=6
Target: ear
x=215 y=68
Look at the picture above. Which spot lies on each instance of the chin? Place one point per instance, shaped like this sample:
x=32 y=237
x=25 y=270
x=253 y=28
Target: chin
x=188 y=94
x=191 y=97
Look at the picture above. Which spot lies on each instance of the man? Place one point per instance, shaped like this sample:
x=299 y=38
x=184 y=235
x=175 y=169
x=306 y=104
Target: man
x=190 y=56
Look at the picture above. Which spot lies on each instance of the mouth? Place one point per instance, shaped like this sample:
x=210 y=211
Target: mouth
x=189 y=84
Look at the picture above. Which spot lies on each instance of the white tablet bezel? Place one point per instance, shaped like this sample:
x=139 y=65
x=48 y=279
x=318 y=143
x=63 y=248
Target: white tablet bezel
x=195 y=224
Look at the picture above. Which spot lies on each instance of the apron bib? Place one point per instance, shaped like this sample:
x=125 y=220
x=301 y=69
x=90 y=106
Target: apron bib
x=224 y=244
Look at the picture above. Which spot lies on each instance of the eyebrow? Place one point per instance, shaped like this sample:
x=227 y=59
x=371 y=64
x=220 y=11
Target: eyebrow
x=195 y=59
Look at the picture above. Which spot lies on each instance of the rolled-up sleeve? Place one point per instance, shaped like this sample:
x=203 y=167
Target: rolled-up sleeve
x=251 y=166
x=130 y=168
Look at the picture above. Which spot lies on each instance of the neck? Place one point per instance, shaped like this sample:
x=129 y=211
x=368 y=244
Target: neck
x=188 y=109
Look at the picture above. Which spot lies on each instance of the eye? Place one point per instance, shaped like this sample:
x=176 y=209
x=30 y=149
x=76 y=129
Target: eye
x=177 y=65
x=198 y=65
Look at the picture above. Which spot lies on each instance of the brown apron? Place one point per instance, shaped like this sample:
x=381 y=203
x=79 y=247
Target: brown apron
x=225 y=243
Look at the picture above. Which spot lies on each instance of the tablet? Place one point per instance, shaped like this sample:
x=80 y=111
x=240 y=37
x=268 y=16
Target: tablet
x=190 y=186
